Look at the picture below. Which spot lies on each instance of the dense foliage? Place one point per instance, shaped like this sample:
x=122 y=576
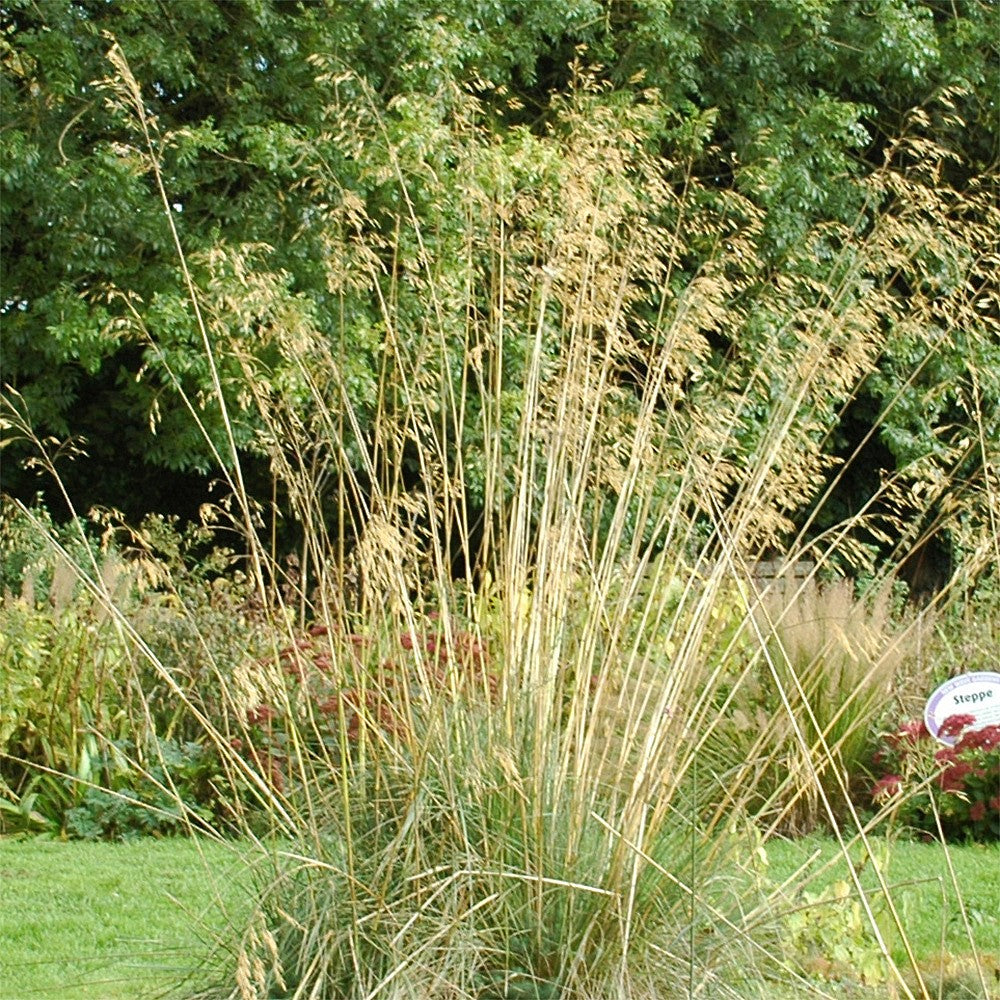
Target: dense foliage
x=92 y=742
x=319 y=160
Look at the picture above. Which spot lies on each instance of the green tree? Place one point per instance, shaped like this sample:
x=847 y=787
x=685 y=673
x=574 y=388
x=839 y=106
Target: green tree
x=98 y=331
x=304 y=146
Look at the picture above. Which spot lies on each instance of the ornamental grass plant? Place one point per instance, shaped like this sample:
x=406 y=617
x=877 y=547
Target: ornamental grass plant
x=836 y=658
x=503 y=738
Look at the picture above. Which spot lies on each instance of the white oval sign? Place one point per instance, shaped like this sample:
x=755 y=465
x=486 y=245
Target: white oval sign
x=976 y=694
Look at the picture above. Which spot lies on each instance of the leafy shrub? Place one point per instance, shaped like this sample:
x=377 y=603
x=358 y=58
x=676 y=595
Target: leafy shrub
x=29 y=565
x=199 y=619
x=64 y=675
x=160 y=792
x=828 y=933
x=73 y=682
x=958 y=785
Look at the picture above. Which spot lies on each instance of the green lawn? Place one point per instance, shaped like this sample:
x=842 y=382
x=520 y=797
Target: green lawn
x=108 y=921
x=921 y=886
x=925 y=895
x=115 y=921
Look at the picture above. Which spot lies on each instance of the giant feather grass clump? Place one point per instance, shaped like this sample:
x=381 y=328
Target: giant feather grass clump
x=500 y=745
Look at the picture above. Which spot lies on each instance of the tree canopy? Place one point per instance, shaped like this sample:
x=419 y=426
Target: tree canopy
x=315 y=158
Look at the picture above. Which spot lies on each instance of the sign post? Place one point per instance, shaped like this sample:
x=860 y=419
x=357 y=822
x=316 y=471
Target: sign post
x=975 y=694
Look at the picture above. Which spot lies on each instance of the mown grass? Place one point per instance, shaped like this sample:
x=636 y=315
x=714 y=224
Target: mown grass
x=108 y=921
x=99 y=921
x=942 y=907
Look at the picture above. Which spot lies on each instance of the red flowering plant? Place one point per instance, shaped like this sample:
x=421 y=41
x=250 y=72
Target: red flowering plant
x=960 y=782
x=336 y=685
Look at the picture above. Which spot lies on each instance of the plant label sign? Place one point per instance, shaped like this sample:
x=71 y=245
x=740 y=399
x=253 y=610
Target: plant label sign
x=975 y=694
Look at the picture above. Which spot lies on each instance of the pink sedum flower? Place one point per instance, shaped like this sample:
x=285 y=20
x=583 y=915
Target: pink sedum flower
x=954 y=724
x=887 y=787
x=909 y=734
